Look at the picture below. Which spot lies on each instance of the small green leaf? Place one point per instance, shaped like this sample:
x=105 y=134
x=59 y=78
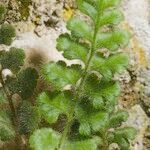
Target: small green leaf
x=59 y=75
x=24 y=83
x=100 y=92
x=105 y=4
x=93 y=121
x=13 y=59
x=28 y=117
x=87 y=9
x=72 y=49
x=80 y=28
x=113 y=17
x=85 y=128
x=6 y=129
x=53 y=104
x=88 y=144
x=48 y=139
x=44 y=139
x=124 y=144
x=126 y=132
x=117 y=118
x=111 y=65
x=98 y=121
x=7 y=33
x=112 y=40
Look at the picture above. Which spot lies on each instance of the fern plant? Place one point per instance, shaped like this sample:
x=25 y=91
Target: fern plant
x=17 y=118
x=89 y=105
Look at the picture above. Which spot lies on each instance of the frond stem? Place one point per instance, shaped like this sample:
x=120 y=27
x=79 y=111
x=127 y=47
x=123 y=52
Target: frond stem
x=79 y=89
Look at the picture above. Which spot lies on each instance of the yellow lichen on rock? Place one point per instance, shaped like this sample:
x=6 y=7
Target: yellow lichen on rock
x=137 y=48
x=67 y=13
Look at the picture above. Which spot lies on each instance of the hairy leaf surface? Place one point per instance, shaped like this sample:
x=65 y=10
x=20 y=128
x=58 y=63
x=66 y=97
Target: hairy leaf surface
x=117 y=118
x=112 y=40
x=53 y=104
x=6 y=129
x=111 y=65
x=24 y=83
x=48 y=139
x=80 y=28
x=7 y=33
x=13 y=59
x=100 y=92
x=71 y=49
x=59 y=75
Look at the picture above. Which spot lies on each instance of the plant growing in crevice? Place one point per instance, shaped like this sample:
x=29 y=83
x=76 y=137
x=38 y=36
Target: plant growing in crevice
x=93 y=121
x=17 y=116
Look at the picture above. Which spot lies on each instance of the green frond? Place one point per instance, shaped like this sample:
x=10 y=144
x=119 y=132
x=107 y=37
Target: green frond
x=12 y=59
x=122 y=137
x=51 y=105
x=80 y=29
x=112 y=40
x=87 y=9
x=60 y=75
x=7 y=33
x=85 y=128
x=107 y=67
x=24 y=83
x=100 y=92
x=6 y=129
x=91 y=121
x=113 y=17
x=28 y=117
x=126 y=132
x=48 y=139
x=117 y=118
x=71 y=49
x=124 y=144
x=44 y=139
x=2 y=11
x=101 y=5
x=87 y=144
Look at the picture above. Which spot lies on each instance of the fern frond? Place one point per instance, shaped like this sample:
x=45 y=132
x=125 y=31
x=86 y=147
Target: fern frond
x=44 y=139
x=117 y=118
x=93 y=95
x=113 y=17
x=100 y=92
x=80 y=29
x=91 y=121
x=59 y=75
x=48 y=139
x=87 y=9
x=123 y=135
x=107 y=67
x=53 y=104
x=112 y=40
x=102 y=5
x=71 y=49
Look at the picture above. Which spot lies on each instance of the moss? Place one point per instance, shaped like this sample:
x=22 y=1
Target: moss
x=2 y=11
x=7 y=32
x=24 y=8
